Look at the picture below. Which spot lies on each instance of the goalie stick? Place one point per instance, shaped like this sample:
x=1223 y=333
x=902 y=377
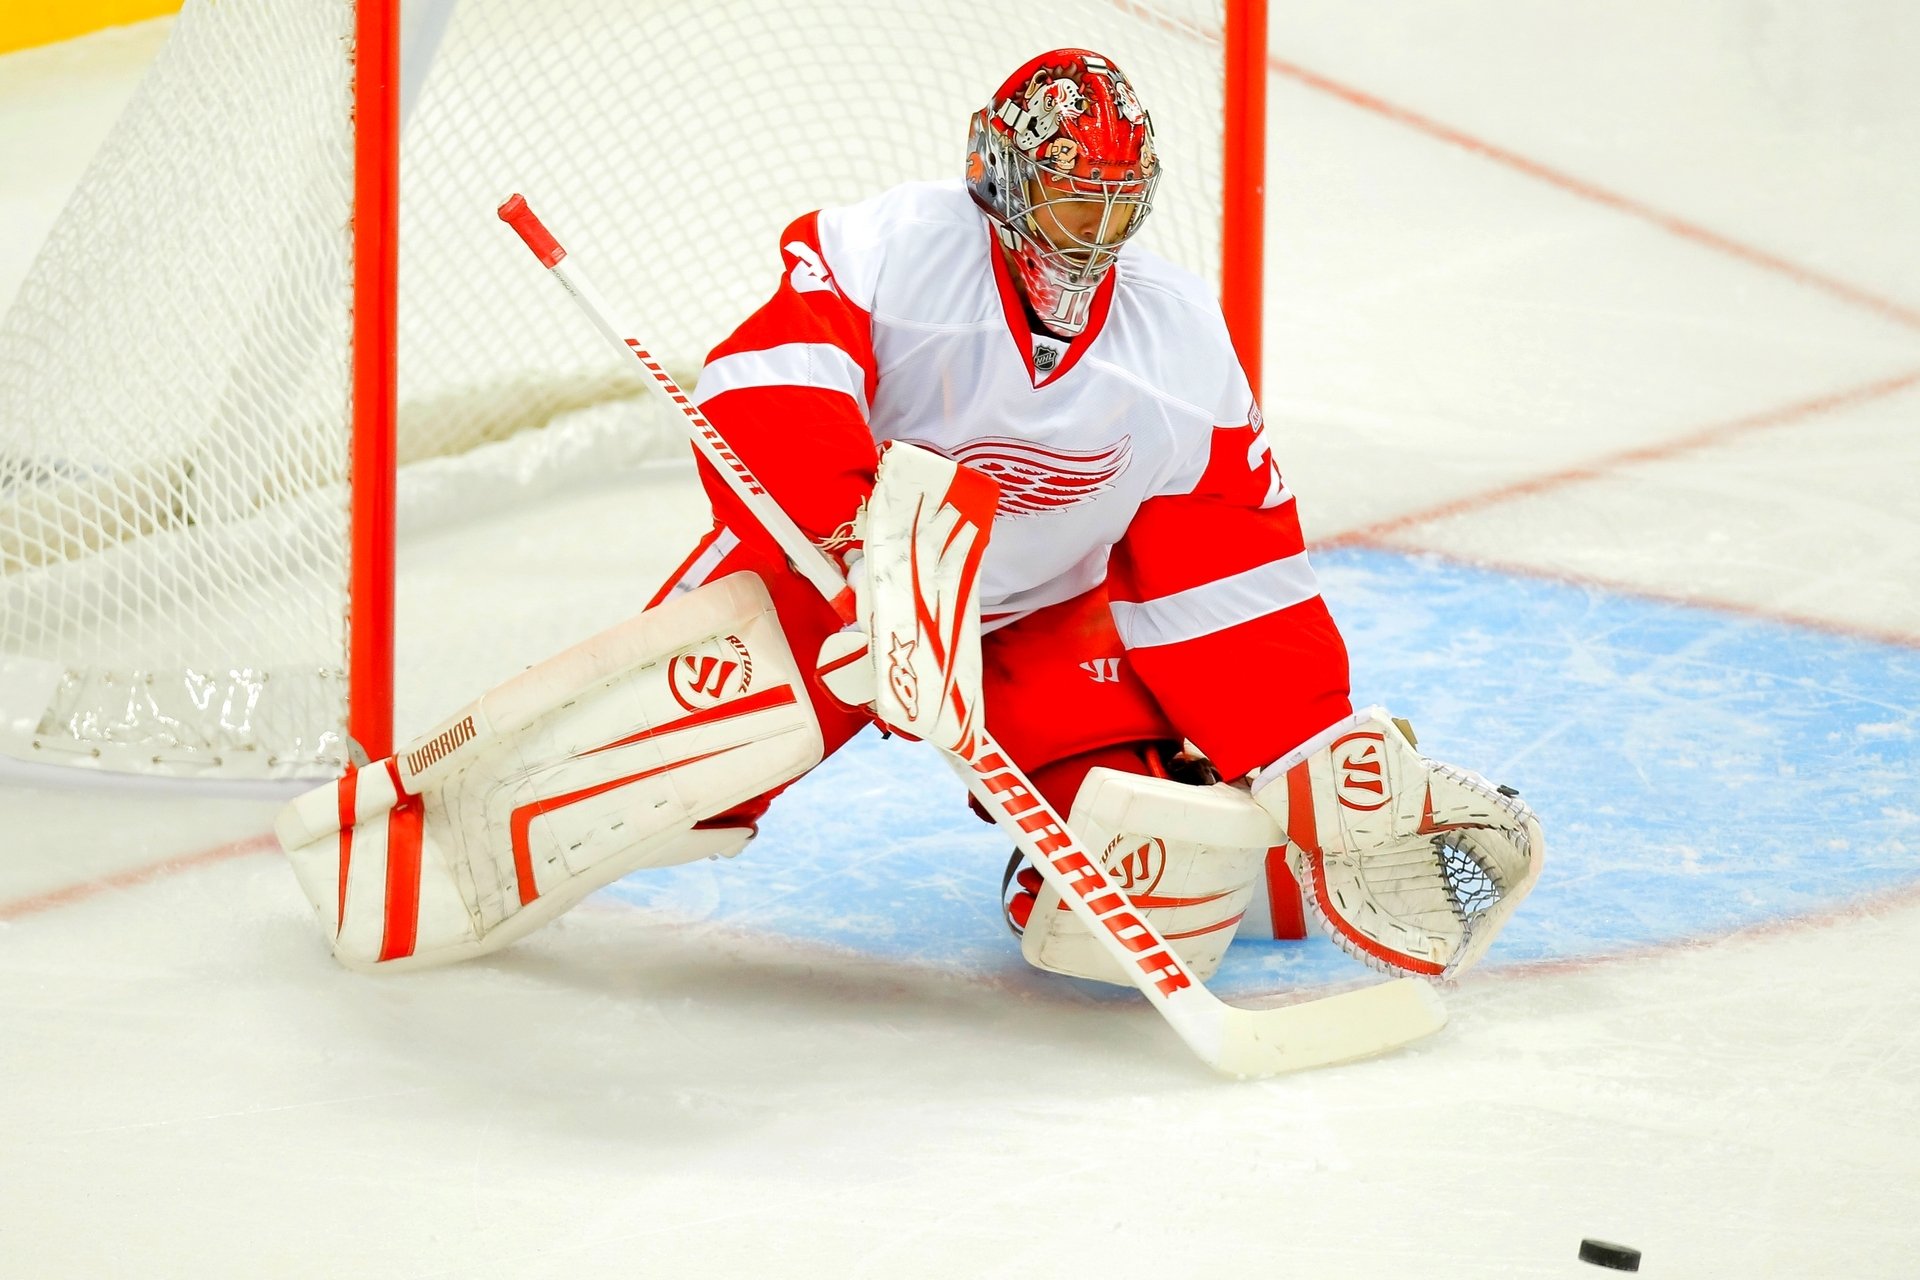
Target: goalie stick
x=1232 y=1040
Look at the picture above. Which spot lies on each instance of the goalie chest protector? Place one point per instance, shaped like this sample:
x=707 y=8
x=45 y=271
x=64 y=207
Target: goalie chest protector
x=1077 y=433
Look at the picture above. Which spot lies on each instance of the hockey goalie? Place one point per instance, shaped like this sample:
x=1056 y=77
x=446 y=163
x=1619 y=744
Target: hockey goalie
x=1028 y=437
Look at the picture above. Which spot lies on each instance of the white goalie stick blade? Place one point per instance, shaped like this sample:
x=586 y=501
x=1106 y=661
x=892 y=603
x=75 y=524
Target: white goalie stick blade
x=1324 y=1032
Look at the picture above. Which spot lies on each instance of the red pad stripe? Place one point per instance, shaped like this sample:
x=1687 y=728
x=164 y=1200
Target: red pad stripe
x=778 y=696
x=845 y=660
x=1228 y=923
x=344 y=795
x=1283 y=898
x=521 y=823
x=1301 y=829
x=1152 y=901
x=405 y=826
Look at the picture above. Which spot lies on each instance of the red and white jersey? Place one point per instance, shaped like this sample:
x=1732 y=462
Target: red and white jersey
x=1132 y=455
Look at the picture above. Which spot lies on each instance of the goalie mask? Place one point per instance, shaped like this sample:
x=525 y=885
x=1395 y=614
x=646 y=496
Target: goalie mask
x=1062 y=160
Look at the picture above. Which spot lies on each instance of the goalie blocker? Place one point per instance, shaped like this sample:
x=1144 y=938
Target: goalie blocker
x=598 y=762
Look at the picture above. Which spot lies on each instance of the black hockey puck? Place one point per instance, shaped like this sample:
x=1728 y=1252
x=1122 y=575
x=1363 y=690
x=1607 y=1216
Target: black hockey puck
x=1614 y=1257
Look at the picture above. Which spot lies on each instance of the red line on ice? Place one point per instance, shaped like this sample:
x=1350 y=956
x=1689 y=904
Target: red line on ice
x=1667 y=222
x=132 y=877
x=1718 y=433
x=1390 y=534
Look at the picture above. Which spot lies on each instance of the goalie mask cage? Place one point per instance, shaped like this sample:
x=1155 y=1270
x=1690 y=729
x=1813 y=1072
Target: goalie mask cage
x=280 y=291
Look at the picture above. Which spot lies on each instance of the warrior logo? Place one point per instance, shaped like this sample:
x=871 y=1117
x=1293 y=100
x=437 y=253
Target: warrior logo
x=707 y=673
x=1359 y=771
x=1103 y=670
x=1035 y=480
x=1136 y=868
x=443 y=745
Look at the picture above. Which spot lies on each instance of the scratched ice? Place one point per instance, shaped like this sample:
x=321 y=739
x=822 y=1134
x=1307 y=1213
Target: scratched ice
x=1594 y=345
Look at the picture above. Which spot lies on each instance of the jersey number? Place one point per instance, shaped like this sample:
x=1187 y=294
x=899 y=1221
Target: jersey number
x=809 y=274
x=1260 y=451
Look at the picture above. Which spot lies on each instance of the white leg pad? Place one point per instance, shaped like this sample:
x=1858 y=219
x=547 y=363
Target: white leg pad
x=595 y=764
x=1187 y=857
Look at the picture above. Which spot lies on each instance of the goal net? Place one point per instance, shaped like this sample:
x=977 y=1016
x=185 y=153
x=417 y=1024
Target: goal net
x=176 y=416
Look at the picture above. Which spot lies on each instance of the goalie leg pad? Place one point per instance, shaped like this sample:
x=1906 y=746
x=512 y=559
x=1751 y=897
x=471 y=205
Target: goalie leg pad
x=521 y=810
x=1187 y=857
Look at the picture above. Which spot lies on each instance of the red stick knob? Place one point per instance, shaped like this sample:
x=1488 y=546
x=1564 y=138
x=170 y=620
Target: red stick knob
x=517 y=215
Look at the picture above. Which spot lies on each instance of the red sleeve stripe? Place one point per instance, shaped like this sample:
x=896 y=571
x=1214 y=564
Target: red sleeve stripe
x=791 y=364
x=1218 y=605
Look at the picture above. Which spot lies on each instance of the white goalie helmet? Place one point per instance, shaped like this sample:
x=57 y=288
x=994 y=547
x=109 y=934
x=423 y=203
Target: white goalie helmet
x=1062 y=161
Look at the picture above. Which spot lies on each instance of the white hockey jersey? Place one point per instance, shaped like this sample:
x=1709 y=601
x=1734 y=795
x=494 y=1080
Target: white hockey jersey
x=1132 y=456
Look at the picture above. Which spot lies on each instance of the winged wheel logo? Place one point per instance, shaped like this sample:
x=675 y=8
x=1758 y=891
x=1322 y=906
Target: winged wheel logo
x=1035 y=479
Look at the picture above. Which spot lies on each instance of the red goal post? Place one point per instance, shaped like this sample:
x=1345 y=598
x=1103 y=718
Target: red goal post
x=279 y=296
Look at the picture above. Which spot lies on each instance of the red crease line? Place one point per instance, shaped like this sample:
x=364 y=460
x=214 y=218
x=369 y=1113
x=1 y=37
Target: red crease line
x=1718 y=433
x=1868 y=907
x=137 y=876
x=1612 y=586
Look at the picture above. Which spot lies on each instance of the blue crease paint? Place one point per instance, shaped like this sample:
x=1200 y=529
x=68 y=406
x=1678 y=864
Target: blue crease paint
x=1696 y=773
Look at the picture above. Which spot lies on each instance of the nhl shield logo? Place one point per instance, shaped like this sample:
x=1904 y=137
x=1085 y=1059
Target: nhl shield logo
x=1045 y=357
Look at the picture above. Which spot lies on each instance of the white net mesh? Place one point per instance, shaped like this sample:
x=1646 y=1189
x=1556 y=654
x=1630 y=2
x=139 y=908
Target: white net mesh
x=174 y=407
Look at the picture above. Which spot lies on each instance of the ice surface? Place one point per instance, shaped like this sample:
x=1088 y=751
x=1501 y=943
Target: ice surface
x=1699 y=1037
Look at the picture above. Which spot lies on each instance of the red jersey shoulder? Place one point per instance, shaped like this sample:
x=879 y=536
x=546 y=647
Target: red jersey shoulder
x=805 y=261
x=1241 y=467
